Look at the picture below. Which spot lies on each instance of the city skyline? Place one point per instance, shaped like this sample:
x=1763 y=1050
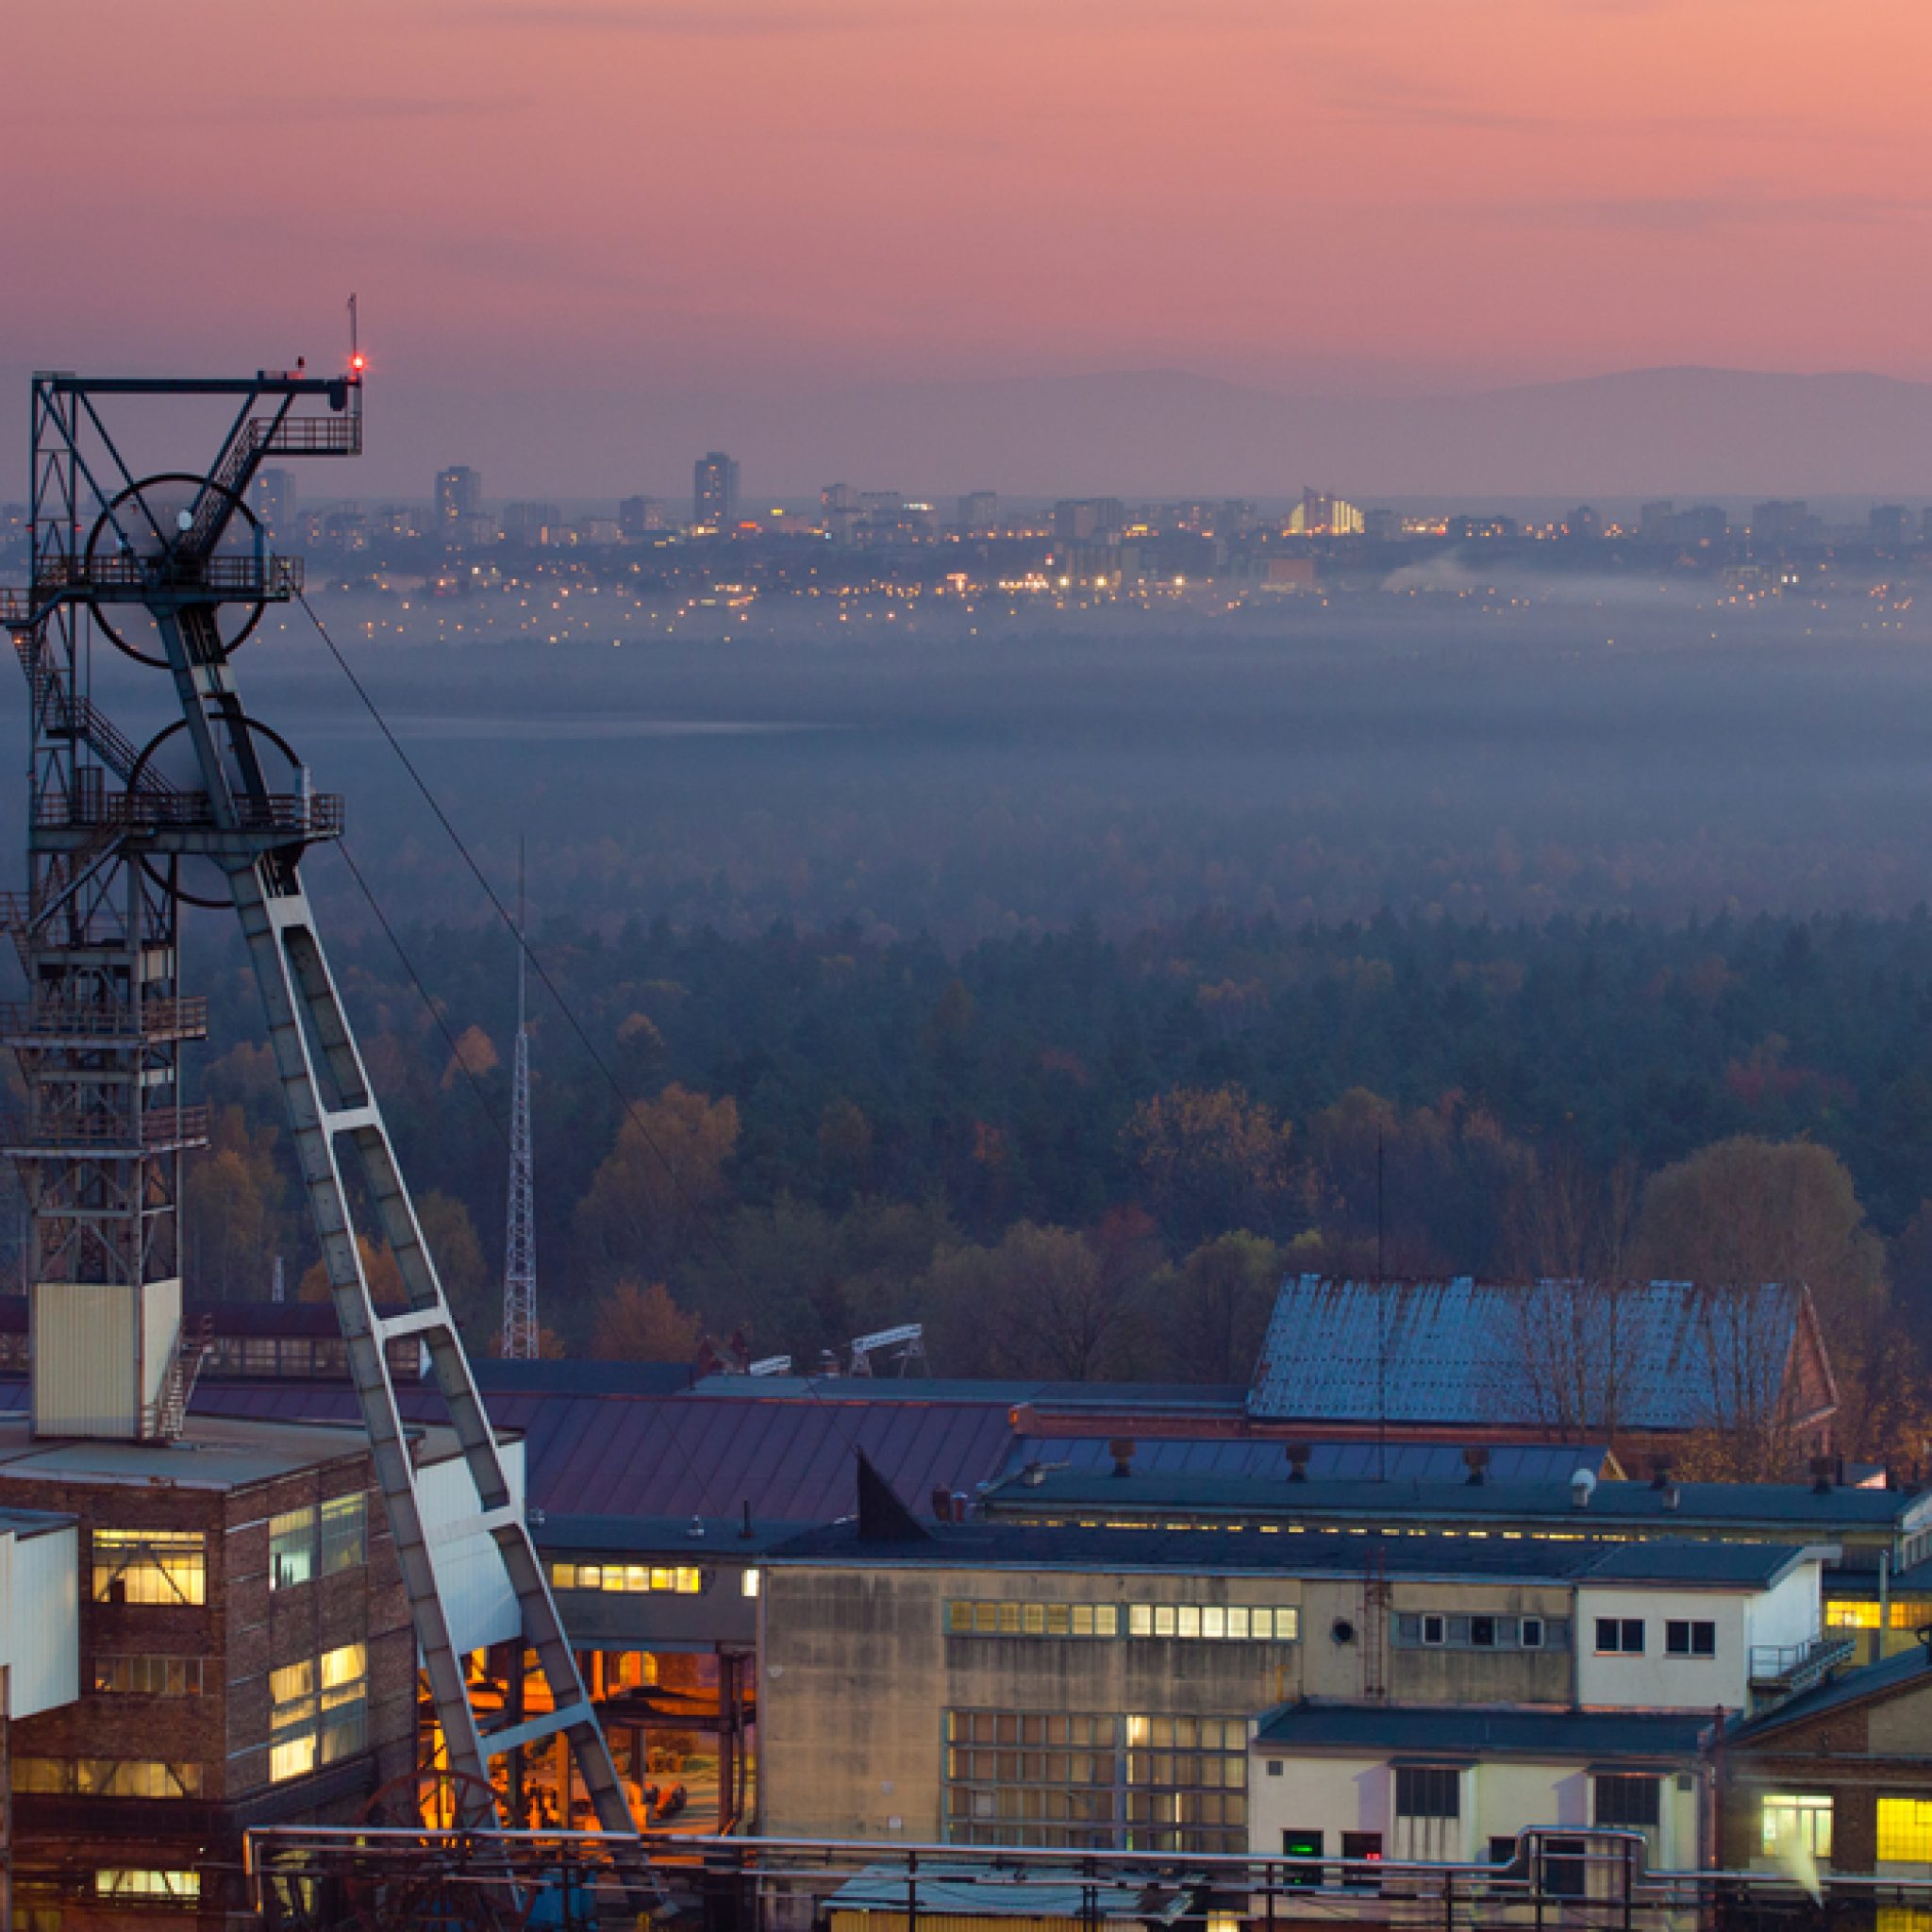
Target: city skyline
x=636 y=201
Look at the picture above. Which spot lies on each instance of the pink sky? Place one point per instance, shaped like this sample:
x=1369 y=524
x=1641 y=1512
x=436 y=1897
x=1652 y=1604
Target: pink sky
x=1385 y=194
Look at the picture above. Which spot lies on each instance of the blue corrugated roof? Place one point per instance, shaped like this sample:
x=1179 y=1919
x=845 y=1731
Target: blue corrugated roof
x=1651 y=1356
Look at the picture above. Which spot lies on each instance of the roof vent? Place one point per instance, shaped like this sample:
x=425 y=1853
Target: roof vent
x=1670 y=1495
x=1822 y=1468
x=1659 y=1471
x=1122 y=1450
x=1477 y=1459
x=942 y=1503
x=1298 y=1455
x=1581 y=1484
x=1035 y=1473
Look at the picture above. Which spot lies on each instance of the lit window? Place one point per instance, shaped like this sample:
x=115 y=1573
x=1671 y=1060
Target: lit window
x=1851 y=1616
x=136 y=1777
x=149 y=1566
x=126 y=1882
x=292 y=1720
x=1905 y=1831
x=748 y=1583
x=291 y=1548
x=1790 y=1821
x=344 y=1534
x=149 y=1677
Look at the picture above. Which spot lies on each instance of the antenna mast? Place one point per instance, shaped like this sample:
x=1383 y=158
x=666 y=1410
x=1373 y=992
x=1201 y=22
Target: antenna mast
x=520 y=1329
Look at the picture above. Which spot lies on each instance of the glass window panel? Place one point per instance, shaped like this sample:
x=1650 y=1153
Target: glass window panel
x=1105 y=1618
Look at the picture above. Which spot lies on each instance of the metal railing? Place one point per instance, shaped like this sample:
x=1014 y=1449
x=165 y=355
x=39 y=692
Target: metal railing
x=169 y=1126
x=239 y=574
x=1798 y=1664
x=315 y=1878
x=309 y=815
x=169 y=1019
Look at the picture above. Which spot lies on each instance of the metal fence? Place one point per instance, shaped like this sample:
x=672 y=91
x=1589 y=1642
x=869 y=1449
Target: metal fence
x=317 y=1879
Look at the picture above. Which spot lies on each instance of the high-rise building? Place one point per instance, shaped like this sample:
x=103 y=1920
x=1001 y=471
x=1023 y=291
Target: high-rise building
x=1892 y=526
x=638 y=516
x=1778 y=521
x=1319 y=514
x=839 y=506
x=458 y=504
x=714 y=492
x=979 y=514
x=1654 y=520
x=274 y=503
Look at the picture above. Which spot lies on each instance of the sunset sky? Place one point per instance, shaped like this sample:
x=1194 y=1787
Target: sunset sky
x=1379 y=195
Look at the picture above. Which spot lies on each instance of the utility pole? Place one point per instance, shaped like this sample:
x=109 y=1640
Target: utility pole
x=520 y=1329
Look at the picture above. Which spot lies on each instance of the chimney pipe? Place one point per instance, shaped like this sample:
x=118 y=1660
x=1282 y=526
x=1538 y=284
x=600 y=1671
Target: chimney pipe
x=1298 y=1455
x=1122 y=1450
x=1477 y=1459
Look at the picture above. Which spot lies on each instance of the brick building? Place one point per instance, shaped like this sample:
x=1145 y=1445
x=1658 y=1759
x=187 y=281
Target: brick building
x=1843 y=1772
x=246 y=1656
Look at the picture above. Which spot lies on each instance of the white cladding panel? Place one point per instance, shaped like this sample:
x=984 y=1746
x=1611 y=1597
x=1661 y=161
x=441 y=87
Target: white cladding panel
x=86 y=1340
x=476 y=1588
x=161 y=1326
x=1651 y=1678
x=43 y=1620
x=1791 y=1612
x=1501 y=1798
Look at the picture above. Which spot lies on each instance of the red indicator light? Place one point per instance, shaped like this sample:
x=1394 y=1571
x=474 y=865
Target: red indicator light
x=359 y=362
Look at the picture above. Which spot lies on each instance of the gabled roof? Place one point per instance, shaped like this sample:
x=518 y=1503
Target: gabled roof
x=1546 y=1355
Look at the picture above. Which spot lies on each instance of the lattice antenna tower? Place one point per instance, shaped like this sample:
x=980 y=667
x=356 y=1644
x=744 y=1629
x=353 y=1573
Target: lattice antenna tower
x=174 y=572
x=520 y=1329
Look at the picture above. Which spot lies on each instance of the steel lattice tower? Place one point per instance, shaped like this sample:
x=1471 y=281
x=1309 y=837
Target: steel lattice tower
x=520 y=1330
x=174 y=572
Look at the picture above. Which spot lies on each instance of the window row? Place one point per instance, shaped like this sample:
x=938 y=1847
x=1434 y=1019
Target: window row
x=319 y=1711
x=1214 y=1623
x=309 y=1543
x=150 y=1677
x=1443 y=1630
x=1798 y=1820
x=107 y=1777
x=1076 y=1770
x=636 y=1578
x=150 y=1566
x=1684 y=1636
x=1138 y=1781
x=1907 y=1613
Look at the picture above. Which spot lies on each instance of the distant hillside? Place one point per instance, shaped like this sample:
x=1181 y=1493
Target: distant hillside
x=1668 y=431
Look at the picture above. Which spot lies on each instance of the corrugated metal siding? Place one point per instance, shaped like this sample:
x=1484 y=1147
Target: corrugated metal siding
x=42 y=1620
x=1466 y=1353
x=84 y=1349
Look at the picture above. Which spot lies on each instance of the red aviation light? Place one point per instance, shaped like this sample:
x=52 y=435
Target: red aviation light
x=358 y=362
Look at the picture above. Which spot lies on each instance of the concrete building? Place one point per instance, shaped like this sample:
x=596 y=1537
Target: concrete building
x=714 y=492
x=458 y=505
x=273 y=502
x=1420 y=1783
x=979 y=514
x=1079 y=1687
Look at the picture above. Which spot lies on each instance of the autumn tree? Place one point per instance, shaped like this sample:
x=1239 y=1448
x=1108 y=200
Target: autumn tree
x=380 y=1270
x=472 y=1289
x=642 y=1325
x=660 y=1184
x=1044 y=1302
x=1746 y=1210
x=1210 y=1160
x=1213 y=1309
x=238 y=1217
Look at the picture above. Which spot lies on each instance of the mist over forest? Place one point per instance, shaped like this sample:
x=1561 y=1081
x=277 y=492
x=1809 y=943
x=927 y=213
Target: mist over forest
x=1074 y=968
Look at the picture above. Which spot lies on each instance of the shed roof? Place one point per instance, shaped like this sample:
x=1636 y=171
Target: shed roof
x=1660 y=1354
x=1908 y=1670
